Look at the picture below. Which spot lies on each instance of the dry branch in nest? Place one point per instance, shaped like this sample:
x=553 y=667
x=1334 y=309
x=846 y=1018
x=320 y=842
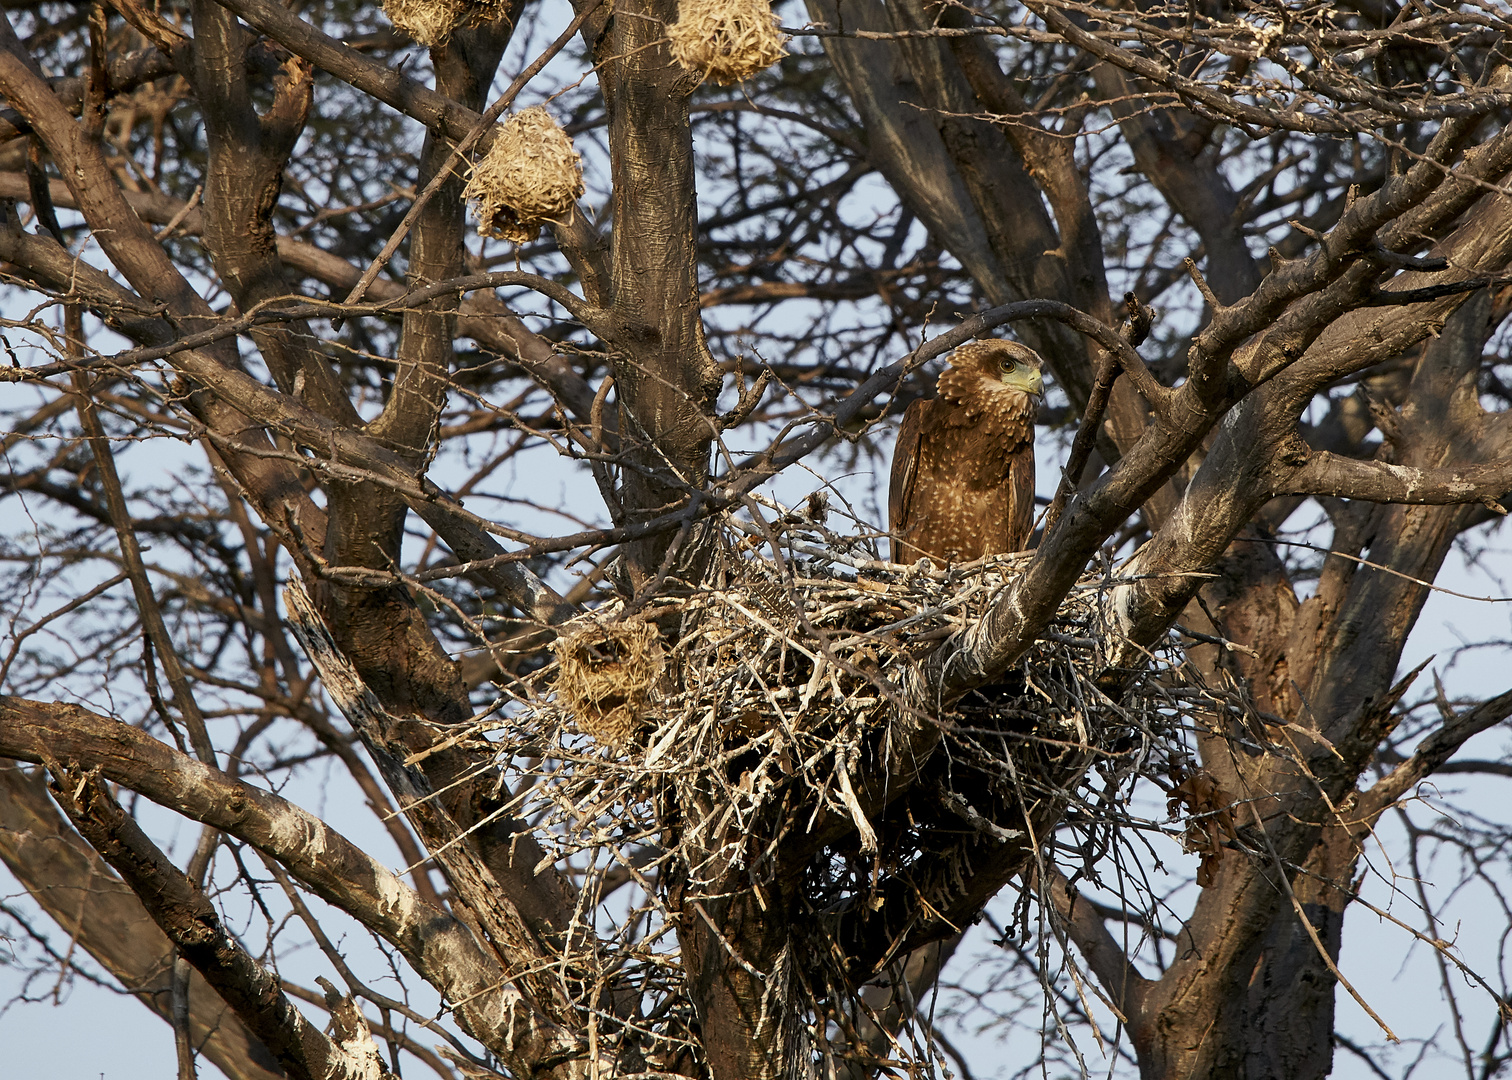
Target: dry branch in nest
x=531 y=176
x=756 y=734
x=725 y=40
x=431 y=22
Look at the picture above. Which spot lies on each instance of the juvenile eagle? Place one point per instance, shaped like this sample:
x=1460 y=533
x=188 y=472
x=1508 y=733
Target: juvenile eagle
x=963 y=471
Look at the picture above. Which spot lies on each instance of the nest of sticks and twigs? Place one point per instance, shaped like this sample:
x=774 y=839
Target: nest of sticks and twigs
x=431 y=22
x=703 y=744
x=530 y=176
x=725 y=40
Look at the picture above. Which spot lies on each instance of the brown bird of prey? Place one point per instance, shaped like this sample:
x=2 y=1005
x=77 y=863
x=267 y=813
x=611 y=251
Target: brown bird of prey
x=963 y=471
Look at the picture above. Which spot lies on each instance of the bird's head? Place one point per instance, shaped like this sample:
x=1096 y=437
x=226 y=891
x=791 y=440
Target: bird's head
x=1009 y=363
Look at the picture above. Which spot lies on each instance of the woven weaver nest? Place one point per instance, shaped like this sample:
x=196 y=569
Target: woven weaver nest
x=606 y=674
x=725 y=40
x=531 y=176
x=431 y=22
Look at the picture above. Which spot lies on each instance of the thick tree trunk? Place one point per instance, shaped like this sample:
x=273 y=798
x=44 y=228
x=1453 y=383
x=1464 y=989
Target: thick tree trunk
x=1253 y=997
x=736 y=979
x=663 y=374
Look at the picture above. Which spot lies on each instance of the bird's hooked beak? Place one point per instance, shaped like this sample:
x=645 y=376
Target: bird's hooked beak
x=1027 y=379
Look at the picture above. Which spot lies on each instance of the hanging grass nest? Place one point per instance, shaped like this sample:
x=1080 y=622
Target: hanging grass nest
x=431 y=22
x=726 y=40
x=531 y=176
x=606 y=674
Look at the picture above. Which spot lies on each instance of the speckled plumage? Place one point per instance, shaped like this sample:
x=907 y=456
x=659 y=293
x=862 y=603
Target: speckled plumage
x=963 y=471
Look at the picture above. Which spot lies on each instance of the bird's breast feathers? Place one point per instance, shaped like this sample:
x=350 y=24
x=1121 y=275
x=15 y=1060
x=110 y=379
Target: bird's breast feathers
x=990 y=410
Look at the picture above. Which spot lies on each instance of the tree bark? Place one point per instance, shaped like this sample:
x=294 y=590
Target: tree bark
x=664 y=377
x=70 y=882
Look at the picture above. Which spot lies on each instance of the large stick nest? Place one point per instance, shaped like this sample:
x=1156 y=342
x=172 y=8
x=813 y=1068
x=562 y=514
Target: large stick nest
x=690 y=752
